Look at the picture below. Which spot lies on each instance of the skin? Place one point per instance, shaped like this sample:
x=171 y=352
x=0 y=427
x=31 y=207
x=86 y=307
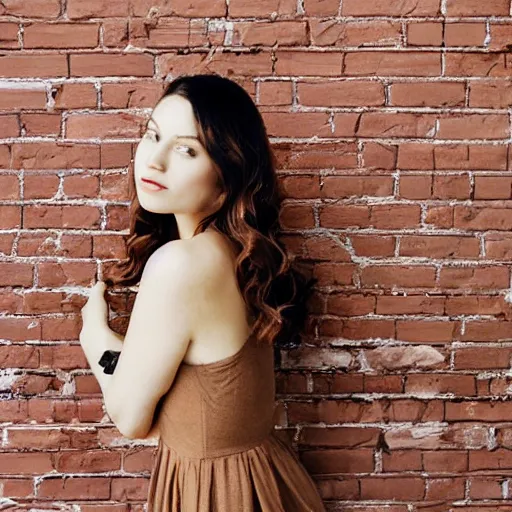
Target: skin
x=188 y=307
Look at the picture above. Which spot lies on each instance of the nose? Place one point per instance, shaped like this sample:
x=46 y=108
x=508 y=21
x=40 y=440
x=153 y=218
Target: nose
x=156 y=159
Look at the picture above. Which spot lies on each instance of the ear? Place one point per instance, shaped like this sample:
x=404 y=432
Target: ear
x=220 y=199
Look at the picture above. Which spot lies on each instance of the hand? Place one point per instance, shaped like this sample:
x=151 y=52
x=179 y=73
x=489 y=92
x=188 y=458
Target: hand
x=94 y=322
x=95 y=310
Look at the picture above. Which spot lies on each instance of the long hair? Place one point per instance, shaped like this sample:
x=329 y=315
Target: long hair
x=231 y=129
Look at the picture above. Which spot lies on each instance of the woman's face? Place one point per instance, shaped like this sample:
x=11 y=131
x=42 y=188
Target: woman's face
x=170 y=154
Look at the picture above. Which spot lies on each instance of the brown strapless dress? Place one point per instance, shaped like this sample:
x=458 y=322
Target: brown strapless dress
x=218 y=451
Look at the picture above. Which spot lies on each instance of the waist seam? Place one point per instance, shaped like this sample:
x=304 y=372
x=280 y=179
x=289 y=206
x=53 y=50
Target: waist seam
x=244 y=448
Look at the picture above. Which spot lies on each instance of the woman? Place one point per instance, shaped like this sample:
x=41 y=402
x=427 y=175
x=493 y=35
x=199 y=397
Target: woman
x=217 y=294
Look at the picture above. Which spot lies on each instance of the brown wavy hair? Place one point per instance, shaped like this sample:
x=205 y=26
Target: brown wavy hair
x=231 y=129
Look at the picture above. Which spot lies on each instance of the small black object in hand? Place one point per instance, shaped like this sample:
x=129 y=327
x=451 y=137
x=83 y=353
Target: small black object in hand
x=109 y=361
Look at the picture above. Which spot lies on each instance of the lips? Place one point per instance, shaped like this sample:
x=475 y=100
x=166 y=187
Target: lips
x=146 y=180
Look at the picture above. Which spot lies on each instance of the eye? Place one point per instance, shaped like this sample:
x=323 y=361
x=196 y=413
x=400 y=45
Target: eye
x=190 y=151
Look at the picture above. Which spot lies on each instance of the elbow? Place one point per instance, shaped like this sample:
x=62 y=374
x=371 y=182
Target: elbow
x=130 y=429
x=127 y=430
x=117 y=419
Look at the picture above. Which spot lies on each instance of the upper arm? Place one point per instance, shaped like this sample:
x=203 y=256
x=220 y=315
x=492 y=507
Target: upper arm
x=157 y=339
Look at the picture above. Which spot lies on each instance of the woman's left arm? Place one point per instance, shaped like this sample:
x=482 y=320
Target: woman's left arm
x=96 y=336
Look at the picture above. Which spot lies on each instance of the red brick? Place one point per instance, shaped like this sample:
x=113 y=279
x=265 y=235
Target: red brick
x=482 y=359
x=79 y=185
x=439 y=246
x=341 y=383
x=498 y=246
x=339 y=155
x=300 y=187
x=486 y=331
x=400 y=276
x=465 y=34
x=347 y=186
x=50 y=216
x=275 y=93
x=413 y=155
x=85 y=65
x=344 y=216
x=428 y=94
x=105 y=125
x=75 y=488
x=482 y=218
x=10 y=217
x=283 y=33
x=373 y=245
x=379 y=156
x=41 y=124
x=482 y=278
x=461 y=385
x=242 y=8
x=198 y=9
x=478 y=411
x=354 y=329
x=449 y=461
x=401 y=460
x=87 y=461
x=45 y=155
x=338 y=461
x=490 y=93
x=395 y=216
x=468 y=126
x=325 y=8
x=355 y=34
x=376 y=124
x=483 y=459
x=130 y=95
x=476 y=64
x=40 y=65
x=500 y=36
x=9 y=187
x=351 y=93
x=493 y=187
x=446 y=489
x=408 y=489
x=24 y=98
x=415 y=187
x=47 y=9
x=392 y=64
x=61 y=35
x=308 y=63
x=40 y=186
x=225 y=63
x=298 y=124
x=451 y=187
x=297 y=216
x=68 y=96
x=426 y=331
x=96 y=9
x=485 y=488
x=469 y=157
x=409 y=305
x=477 y=8
x=425 y=34
x=383 y=384
x=476 y=304
x=384 y=8
x=115 y=33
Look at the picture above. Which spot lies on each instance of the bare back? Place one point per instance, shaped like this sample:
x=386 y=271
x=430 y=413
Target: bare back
x=221 y=324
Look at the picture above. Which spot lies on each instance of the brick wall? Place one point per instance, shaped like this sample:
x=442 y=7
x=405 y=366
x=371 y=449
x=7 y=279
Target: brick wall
x=391 y=124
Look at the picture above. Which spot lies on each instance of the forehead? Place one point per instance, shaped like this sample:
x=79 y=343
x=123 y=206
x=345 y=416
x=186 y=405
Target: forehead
x=174 y=112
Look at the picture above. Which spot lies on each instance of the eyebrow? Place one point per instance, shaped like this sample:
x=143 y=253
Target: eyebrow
x=195 y=137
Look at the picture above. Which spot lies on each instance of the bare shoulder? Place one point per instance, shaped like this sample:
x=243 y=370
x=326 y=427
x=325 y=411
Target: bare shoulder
x=199 y=259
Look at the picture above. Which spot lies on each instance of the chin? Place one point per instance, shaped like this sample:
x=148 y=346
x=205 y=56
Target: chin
x=155 y=209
